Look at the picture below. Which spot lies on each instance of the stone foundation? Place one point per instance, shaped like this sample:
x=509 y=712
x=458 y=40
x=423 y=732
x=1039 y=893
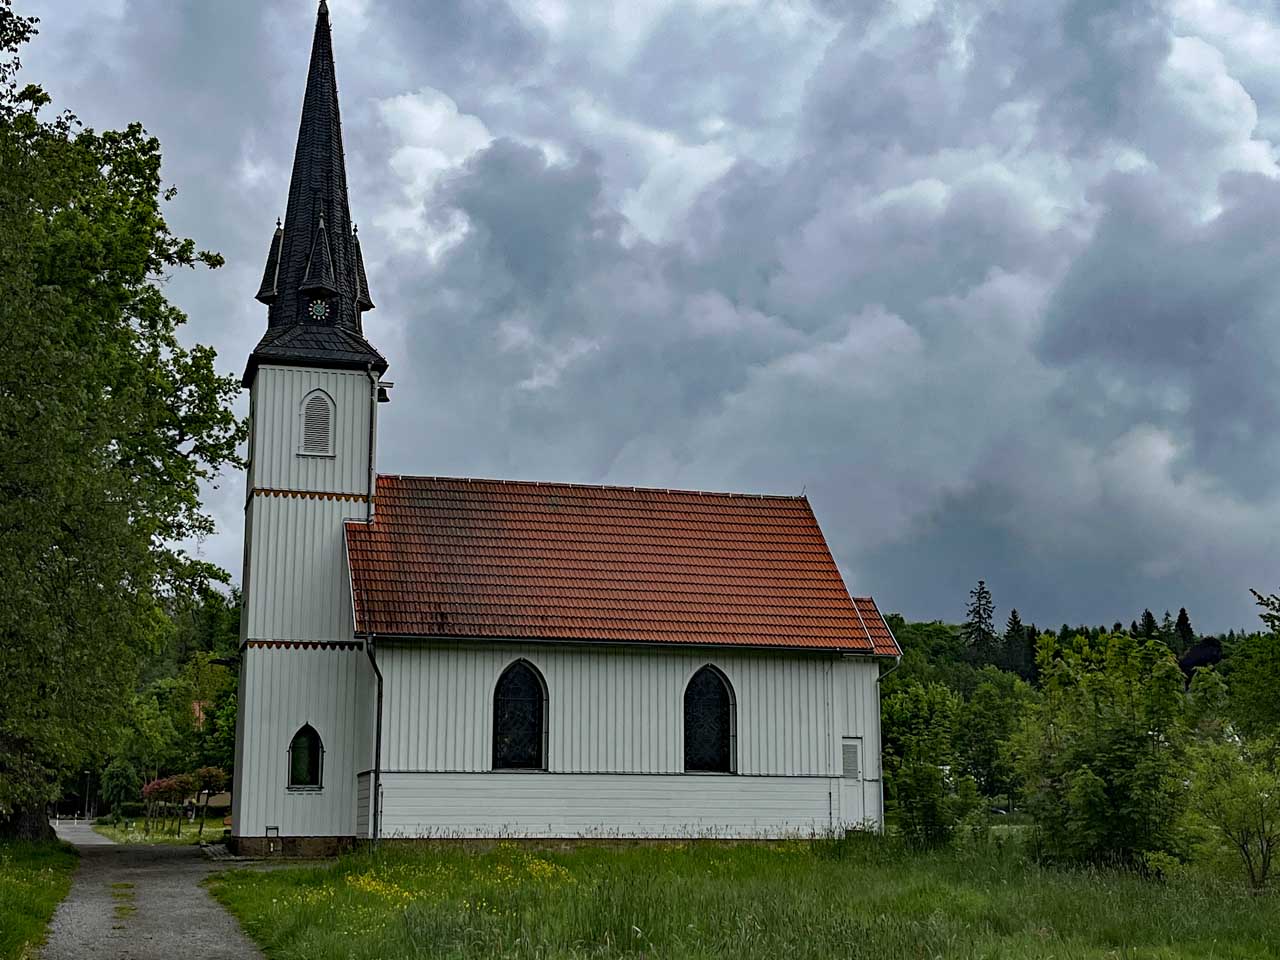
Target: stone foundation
x=290 y=847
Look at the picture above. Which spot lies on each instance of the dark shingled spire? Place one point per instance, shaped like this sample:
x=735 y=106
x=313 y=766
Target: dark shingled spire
x=267 y=292
x=314 y=283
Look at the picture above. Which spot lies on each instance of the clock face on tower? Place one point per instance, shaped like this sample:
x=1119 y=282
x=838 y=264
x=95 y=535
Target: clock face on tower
x=318 y=310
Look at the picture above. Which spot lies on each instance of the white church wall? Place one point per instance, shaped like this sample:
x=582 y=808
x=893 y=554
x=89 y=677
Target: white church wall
x=278 y=395
x=528 y=804
x=281 y=689
x=611 y=709
x=858 y=708
x=298 y=588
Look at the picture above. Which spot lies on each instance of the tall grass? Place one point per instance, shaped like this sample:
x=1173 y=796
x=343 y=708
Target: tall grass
x=34 y=877
x=864 y=898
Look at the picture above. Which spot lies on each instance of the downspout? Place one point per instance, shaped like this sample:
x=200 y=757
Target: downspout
x=377 y=743
x=369 y=641
x=897 y=662
x=371 y=479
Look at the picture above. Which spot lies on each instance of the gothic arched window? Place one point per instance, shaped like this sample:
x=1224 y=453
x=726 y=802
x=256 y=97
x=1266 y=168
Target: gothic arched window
x=317 y=424
x=306 y=758
x=710 y=732
x=520 y=719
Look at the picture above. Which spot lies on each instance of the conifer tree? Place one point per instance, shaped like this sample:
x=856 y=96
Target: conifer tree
x=1184 y=636
x=1148 y=626
x=979 y=627
x=1015 y=644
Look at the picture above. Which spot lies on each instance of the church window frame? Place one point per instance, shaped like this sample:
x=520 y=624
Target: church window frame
x=307 y=774
x=315 y=424
x=710 y=719
x=520 y=711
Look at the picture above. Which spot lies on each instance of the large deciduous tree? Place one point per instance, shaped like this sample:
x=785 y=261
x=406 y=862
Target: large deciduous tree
x=108 y=425
x=1102 y=755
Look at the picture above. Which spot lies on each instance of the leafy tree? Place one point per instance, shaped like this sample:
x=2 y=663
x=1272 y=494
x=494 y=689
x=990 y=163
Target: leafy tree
x=1237 y=795
x=218 y=748
x=919 y=723
x=208 y=780
x=979 y=629
x=1254 y=675
x=120 y=785
x=109 y=425
x=1184 y=636
x=987 y=722
x=932 y=652
x=1102 y=755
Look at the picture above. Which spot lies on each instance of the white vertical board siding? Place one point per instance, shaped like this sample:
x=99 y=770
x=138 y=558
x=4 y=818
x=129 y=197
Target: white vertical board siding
x=282 y=688
x=858 y=697
x=363 y=800
x=610 y=709
x=523 y=804
x=299 y=588
x=278 y=395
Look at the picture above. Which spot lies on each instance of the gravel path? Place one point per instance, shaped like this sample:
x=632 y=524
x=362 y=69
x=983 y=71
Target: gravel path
x=136 y=902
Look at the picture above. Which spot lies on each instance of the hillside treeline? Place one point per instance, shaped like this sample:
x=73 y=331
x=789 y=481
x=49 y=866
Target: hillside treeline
x=1146 y=746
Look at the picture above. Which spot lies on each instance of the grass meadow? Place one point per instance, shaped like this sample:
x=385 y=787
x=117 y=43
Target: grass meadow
x=34 y=877
x=131 y=831
x=865 y=897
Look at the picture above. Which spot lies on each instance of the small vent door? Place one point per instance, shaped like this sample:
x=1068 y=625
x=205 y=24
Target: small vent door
x=851 y=755
x=317 y=424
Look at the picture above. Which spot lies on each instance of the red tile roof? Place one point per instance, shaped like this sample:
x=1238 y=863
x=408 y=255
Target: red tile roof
x=558 y=561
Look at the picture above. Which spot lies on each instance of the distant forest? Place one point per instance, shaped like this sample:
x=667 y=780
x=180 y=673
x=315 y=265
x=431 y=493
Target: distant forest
x=1145 y=744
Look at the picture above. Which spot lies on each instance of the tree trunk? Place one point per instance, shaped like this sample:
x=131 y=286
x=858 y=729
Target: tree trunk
x=26 y=825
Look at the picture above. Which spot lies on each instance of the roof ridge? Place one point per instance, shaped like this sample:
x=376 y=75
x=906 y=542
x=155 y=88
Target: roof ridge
x=801 y=498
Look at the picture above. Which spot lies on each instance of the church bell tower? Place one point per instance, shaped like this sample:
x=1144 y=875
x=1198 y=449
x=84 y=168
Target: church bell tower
x=314 y=384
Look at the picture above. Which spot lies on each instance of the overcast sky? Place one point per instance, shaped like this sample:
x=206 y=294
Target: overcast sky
x=997 y=283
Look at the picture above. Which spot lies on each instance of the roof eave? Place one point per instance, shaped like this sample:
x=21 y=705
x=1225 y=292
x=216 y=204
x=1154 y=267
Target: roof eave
x=581 y=641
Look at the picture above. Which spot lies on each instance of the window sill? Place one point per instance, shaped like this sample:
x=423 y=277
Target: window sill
x=316 y=456
x=519 y=770
x=292 y=789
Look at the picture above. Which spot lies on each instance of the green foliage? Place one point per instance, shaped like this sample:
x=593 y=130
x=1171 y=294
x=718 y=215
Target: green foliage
x=218 y=748
x=1237 y=797
x=1102 y=754
x=109 y=426
x=1254 y=675
x=987 y=721
x=120 y=784
x=34 y=877
x=918 y=753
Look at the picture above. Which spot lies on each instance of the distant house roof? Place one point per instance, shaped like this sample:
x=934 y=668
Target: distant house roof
x=556 y=561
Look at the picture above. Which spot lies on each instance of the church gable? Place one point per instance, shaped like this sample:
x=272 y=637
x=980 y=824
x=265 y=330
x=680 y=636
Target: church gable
x=547 y=561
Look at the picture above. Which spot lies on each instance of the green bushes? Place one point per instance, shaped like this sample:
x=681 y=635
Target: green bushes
x=1103 y=754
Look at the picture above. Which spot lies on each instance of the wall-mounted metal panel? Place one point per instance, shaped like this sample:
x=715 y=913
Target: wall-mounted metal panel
x=281 y=689
x=610 y=709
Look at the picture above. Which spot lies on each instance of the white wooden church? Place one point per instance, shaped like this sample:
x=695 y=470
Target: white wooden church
x=454 y=657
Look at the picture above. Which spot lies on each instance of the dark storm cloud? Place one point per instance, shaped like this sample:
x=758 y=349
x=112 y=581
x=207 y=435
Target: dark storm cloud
x=991 y=281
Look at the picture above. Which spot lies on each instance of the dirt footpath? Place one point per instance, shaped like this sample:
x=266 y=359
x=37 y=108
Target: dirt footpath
x=134 y=902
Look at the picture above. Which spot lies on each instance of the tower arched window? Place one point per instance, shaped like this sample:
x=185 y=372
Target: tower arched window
x=306 y=758
x=710 y=723
x=520 y=719
x=317 y=424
